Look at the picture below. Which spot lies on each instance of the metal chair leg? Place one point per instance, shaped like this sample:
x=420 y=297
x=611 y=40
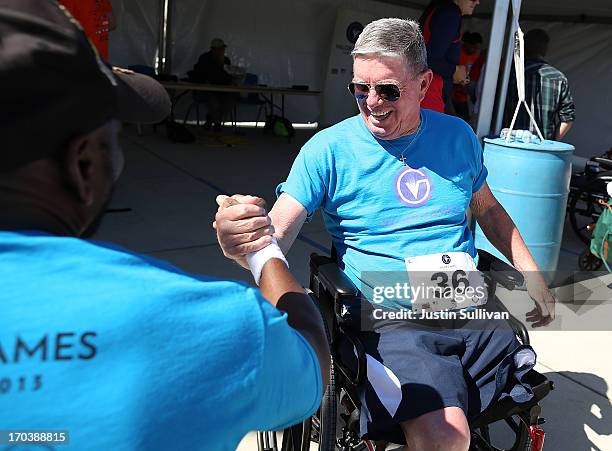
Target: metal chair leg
x=187 y=114
x=259 y=110
x=234 y=119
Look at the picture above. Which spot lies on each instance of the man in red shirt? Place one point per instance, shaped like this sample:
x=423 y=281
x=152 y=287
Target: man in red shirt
x=441 y=25
x=96 y=18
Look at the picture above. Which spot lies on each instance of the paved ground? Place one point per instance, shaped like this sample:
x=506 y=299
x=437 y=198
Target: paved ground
x=170 y=189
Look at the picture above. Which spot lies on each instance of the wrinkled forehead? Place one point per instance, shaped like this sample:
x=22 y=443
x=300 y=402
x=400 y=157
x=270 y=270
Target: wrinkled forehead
x=376 y=68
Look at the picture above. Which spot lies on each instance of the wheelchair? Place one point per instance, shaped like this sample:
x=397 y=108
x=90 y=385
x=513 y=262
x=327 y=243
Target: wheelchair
x=335 y=426
x=583 y=208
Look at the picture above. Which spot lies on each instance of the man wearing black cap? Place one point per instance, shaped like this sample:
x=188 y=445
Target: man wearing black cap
x=99 y=347
x=210 y=68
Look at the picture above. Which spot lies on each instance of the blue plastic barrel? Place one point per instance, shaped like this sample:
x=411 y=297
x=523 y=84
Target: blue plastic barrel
x=531 y=180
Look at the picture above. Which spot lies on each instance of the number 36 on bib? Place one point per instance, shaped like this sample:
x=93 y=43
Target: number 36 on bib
x=445 y=281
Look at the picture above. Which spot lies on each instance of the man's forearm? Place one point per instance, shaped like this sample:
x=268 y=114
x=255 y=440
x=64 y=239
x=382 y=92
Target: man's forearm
x=564 y=127
x=285 y=237
x=287 y=216
x=501 y=231
x=284 y=292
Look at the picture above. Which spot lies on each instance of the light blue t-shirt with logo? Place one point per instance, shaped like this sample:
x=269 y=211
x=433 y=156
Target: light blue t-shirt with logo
x=379 y=210
x=125 y=352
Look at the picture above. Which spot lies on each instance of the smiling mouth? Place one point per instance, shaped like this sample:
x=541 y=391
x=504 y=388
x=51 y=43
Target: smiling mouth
x=380 y=115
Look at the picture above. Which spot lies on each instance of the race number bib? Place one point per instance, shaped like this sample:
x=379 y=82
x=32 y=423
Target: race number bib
x=446 y=281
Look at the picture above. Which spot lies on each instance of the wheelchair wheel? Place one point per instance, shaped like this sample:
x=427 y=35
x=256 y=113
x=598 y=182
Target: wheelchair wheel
x=481 y=439
x=343 y=434
x=323 y=426
x=330 y=428
x=589 y=262
x=324 y=422
x=583 y=208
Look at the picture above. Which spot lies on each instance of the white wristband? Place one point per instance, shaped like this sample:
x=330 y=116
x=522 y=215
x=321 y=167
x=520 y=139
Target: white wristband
x=257 y=260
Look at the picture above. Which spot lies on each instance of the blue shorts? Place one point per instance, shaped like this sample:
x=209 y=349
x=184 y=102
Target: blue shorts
x=413 y=369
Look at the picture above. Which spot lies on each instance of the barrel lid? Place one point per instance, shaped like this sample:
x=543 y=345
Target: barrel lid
x=542 y=146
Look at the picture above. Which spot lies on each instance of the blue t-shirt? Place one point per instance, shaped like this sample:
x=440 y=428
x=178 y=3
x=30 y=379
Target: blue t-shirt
x=126 y=352
x=380 y=211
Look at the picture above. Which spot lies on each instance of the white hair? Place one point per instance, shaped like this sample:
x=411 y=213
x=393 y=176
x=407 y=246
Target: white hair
x=396 y=38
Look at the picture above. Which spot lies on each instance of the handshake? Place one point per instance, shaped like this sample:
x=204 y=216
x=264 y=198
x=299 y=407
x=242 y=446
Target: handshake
x=245 y=232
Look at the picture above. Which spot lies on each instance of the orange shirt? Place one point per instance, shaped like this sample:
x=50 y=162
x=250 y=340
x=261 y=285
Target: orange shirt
x=460 y=94
x=94 y=16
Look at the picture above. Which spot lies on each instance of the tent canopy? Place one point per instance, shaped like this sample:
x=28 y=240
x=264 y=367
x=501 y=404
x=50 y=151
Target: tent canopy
x=596 y=10
x=289 y=42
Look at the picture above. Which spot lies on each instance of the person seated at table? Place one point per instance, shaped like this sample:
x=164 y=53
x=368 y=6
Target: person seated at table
x=210 y=68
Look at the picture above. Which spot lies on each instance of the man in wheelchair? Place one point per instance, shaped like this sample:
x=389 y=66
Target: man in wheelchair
x=394 y=184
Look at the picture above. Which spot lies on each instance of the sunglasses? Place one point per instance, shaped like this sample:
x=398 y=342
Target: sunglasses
x=386 y=91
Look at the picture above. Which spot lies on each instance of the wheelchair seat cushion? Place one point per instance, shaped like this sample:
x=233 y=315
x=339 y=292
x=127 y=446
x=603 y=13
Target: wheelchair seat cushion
x=415 y=369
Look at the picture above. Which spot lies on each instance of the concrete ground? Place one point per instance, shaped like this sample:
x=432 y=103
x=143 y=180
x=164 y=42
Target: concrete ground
x=165 y=206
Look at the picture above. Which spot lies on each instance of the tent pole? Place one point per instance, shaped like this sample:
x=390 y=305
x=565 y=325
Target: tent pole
x=169 y=33
x=508 y=66
x=164 y=58
x=498 y=31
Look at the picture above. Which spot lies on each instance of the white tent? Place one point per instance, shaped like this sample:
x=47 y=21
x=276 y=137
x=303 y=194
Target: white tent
x=291 y=42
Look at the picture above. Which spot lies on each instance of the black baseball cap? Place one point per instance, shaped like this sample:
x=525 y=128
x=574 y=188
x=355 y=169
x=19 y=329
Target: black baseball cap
x=54 y=85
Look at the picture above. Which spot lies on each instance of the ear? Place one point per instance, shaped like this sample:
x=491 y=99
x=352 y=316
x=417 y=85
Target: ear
x=80 y=162
x=425 y=79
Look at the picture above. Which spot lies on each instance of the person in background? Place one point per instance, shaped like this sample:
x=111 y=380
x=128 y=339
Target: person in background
x=118 y=350
x=441 y=28
x=547 y=92
x=211 y=68
x=97 y=19
x=471 y=60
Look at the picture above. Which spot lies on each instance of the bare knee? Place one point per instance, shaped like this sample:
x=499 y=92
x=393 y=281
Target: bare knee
x=444 y=430
x=450 y=438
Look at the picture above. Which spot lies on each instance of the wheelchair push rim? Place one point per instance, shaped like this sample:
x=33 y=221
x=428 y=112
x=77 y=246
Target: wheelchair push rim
x=589 y=262
x=584 y=209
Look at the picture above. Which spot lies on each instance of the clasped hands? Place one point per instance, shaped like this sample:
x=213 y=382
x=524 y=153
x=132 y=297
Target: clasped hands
x=242 y=225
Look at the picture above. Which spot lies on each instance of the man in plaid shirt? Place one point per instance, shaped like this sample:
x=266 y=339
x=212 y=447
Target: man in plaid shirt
x=547 y=92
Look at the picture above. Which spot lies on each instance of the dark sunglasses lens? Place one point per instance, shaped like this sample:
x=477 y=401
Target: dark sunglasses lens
x=359 y=90
x=388 y=92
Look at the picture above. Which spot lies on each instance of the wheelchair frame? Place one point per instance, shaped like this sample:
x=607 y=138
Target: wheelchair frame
x=331 y=289
x=586 y=188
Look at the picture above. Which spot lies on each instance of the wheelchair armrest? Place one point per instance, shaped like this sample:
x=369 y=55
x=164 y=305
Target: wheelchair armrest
x=604 y=163
x=499 y=271
x=328 y=282
x=334 y=281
